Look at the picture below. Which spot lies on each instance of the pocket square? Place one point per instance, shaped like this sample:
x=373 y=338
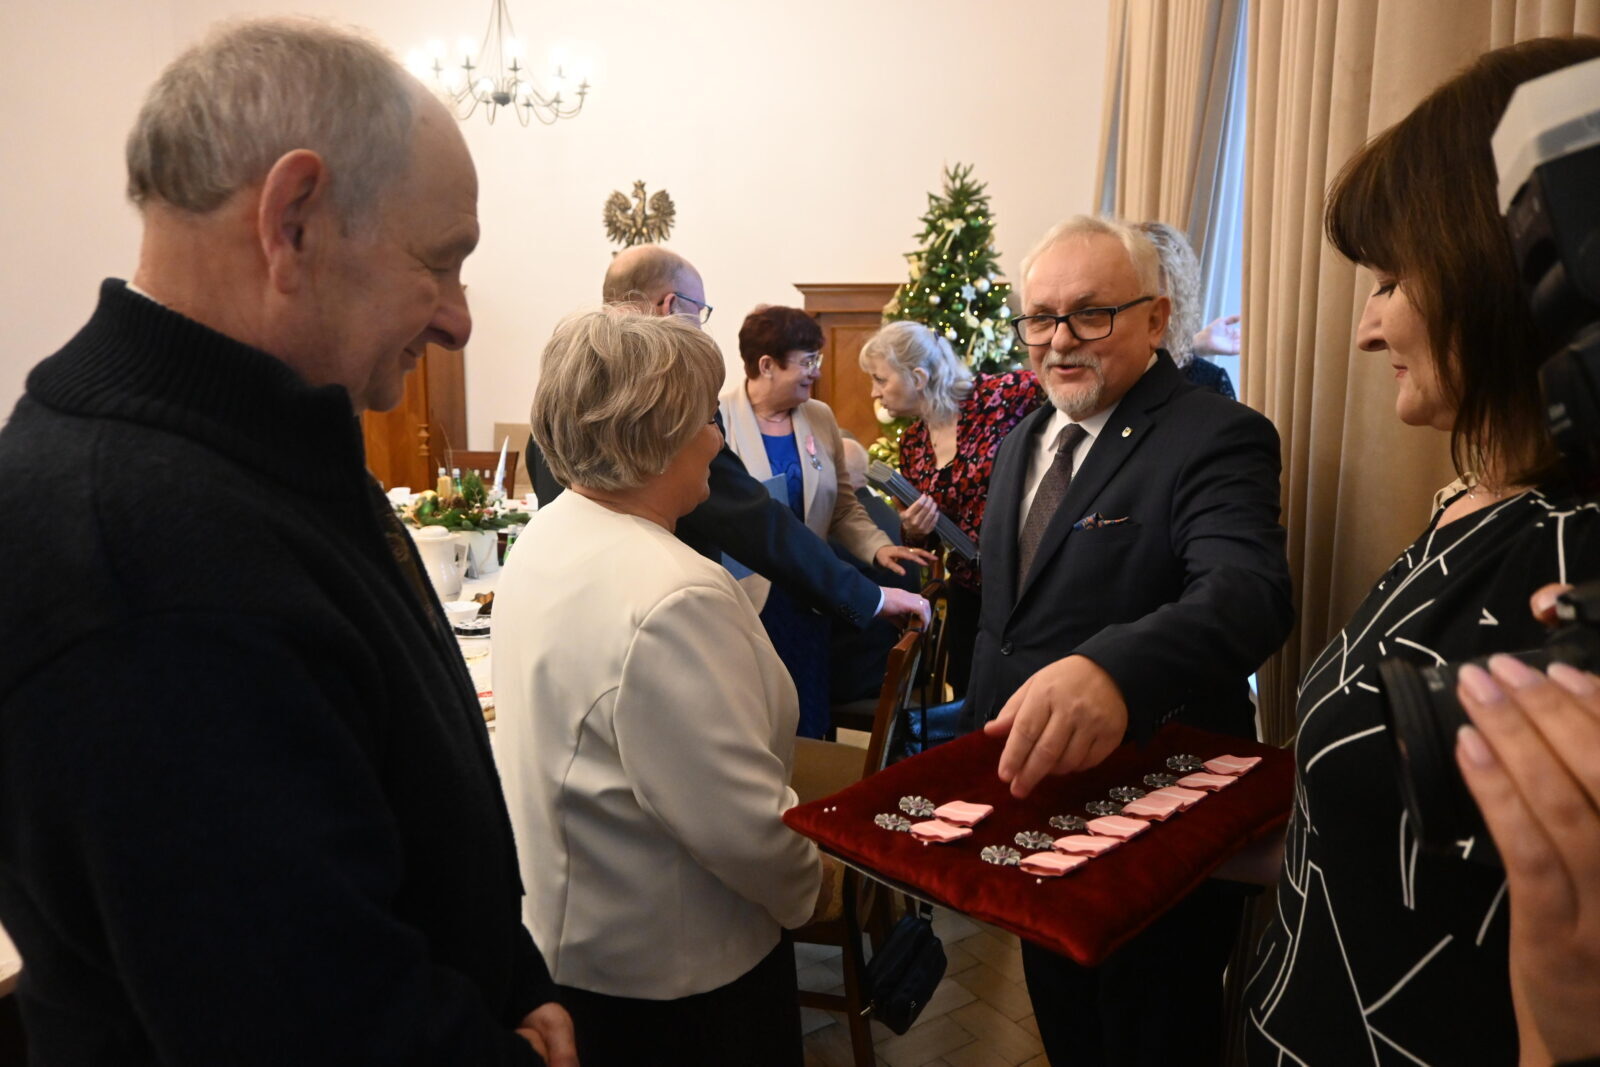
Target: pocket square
x=1097 y=520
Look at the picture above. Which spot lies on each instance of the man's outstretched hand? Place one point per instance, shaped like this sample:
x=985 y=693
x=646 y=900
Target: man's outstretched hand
x=1068 y=716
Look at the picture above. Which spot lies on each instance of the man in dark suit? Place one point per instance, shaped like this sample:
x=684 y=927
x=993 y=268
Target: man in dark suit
x=858 y=656
x=1134 y=572
x=740 y=518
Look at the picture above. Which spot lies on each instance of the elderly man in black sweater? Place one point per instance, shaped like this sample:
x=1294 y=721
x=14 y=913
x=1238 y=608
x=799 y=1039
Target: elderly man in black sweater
x=248 y=813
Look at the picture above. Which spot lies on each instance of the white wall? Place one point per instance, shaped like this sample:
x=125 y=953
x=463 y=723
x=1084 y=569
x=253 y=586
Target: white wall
x=798 y=141
x=75 y=73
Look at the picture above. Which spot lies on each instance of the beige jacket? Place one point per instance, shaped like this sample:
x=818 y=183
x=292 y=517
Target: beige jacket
x=831 y=508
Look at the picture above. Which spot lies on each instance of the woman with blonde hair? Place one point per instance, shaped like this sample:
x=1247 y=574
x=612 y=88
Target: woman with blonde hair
x=645 y=726
x=959 y=420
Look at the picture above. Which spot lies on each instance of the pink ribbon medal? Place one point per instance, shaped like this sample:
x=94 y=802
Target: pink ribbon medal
x=811 y=450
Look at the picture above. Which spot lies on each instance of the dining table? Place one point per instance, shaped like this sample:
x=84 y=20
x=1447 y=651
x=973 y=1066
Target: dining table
x=475 y=649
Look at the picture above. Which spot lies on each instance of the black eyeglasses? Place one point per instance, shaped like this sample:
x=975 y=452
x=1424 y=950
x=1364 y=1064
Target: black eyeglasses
x=704 y=312
x=1086 y=324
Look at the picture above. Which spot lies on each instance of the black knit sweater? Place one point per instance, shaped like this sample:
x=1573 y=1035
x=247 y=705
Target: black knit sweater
x=248 y=813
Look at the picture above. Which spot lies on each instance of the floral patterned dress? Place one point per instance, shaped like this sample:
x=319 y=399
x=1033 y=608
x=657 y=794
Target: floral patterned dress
x=997 y=403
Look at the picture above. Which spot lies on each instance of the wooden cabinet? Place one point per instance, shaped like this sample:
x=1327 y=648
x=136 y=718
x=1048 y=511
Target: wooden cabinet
x=407 y=446
x=848 y=313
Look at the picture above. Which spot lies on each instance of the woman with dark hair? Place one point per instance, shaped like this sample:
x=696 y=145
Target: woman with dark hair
x=1380 y=951
x=777 y=430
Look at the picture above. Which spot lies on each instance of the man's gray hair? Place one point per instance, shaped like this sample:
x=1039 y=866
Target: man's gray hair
x=230 y=107
x=642 y=275
x=1141 y=253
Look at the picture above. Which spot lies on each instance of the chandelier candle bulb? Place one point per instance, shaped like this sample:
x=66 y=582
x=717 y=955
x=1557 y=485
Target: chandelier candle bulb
x=490 y=74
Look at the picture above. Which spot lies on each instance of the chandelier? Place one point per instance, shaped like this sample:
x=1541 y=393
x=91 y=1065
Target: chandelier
x=494 y=75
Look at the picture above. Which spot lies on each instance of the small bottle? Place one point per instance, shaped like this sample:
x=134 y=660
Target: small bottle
x=442 y=486
x=455 y=480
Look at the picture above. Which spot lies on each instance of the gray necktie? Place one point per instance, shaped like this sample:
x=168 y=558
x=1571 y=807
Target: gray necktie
x=1051 y=492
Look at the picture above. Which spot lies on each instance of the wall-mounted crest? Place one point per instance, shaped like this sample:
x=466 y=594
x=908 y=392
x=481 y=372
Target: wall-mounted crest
x=639 y=222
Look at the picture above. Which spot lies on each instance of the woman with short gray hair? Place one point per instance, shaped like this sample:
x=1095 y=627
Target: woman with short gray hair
x=947 y=451
x=645 y=726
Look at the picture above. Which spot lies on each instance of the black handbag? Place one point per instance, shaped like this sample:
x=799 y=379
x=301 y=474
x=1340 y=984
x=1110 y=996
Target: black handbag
x=902 y=976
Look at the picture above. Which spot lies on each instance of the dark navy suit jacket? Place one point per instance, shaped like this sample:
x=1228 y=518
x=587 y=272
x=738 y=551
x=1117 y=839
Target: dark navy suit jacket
x=1180 y=602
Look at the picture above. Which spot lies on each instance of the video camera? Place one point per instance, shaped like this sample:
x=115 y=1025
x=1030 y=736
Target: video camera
x=1547 y=151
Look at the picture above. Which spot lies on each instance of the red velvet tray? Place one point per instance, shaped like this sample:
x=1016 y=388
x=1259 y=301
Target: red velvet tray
x=1084 y=914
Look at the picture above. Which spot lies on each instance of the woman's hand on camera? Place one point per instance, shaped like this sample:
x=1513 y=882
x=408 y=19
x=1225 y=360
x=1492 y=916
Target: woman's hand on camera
x=1532 y=761
x=917 y=519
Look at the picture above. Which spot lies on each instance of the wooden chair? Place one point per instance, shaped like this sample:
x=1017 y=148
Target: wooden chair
x=858 y=714
x=930 y=681
x=825 y=767
x=484 y=463
x=936 y=663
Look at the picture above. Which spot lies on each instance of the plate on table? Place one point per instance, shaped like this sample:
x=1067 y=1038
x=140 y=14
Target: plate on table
x=476 y=627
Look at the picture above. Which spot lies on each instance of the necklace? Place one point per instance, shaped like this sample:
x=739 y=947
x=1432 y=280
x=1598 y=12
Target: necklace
x=1476 y=489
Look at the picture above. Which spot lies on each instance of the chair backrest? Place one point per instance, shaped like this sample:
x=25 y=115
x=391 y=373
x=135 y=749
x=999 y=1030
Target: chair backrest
x=899 y=678
x=936 y=648
x=484 y=463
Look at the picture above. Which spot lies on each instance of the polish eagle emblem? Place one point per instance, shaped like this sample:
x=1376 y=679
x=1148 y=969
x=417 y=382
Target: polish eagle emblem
x=639 y=222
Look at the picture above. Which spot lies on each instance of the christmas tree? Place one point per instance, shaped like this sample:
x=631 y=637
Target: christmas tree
x=955 y=287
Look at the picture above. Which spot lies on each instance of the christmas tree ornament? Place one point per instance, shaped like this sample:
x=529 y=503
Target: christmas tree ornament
x=953 y=287
x=957 y=290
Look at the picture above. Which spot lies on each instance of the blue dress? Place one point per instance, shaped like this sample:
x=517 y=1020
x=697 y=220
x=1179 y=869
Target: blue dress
x=800 y=635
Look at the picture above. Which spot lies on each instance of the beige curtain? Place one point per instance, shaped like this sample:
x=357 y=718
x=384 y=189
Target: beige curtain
x=1324 y=76
x=1166 y=88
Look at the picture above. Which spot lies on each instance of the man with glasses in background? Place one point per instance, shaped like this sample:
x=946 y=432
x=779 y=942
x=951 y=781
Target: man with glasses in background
x=740 y=518
x=1134 y=572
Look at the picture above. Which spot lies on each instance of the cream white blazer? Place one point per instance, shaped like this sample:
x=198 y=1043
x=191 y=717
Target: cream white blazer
x=831 y=508
x=644 y=732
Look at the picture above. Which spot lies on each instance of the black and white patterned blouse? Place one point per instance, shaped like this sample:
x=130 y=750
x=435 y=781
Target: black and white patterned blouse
x=1380 y=952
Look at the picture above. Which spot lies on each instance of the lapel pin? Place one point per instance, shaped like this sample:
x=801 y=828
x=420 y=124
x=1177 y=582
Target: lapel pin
x=1127 y=431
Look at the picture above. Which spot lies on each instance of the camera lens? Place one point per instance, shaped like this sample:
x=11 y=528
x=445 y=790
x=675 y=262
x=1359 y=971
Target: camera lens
x=1423 y=715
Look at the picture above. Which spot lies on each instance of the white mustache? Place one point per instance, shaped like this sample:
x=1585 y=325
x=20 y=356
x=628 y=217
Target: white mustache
x=1072 y=359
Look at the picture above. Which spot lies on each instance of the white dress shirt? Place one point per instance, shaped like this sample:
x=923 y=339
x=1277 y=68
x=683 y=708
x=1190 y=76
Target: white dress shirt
x=1044 y=451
